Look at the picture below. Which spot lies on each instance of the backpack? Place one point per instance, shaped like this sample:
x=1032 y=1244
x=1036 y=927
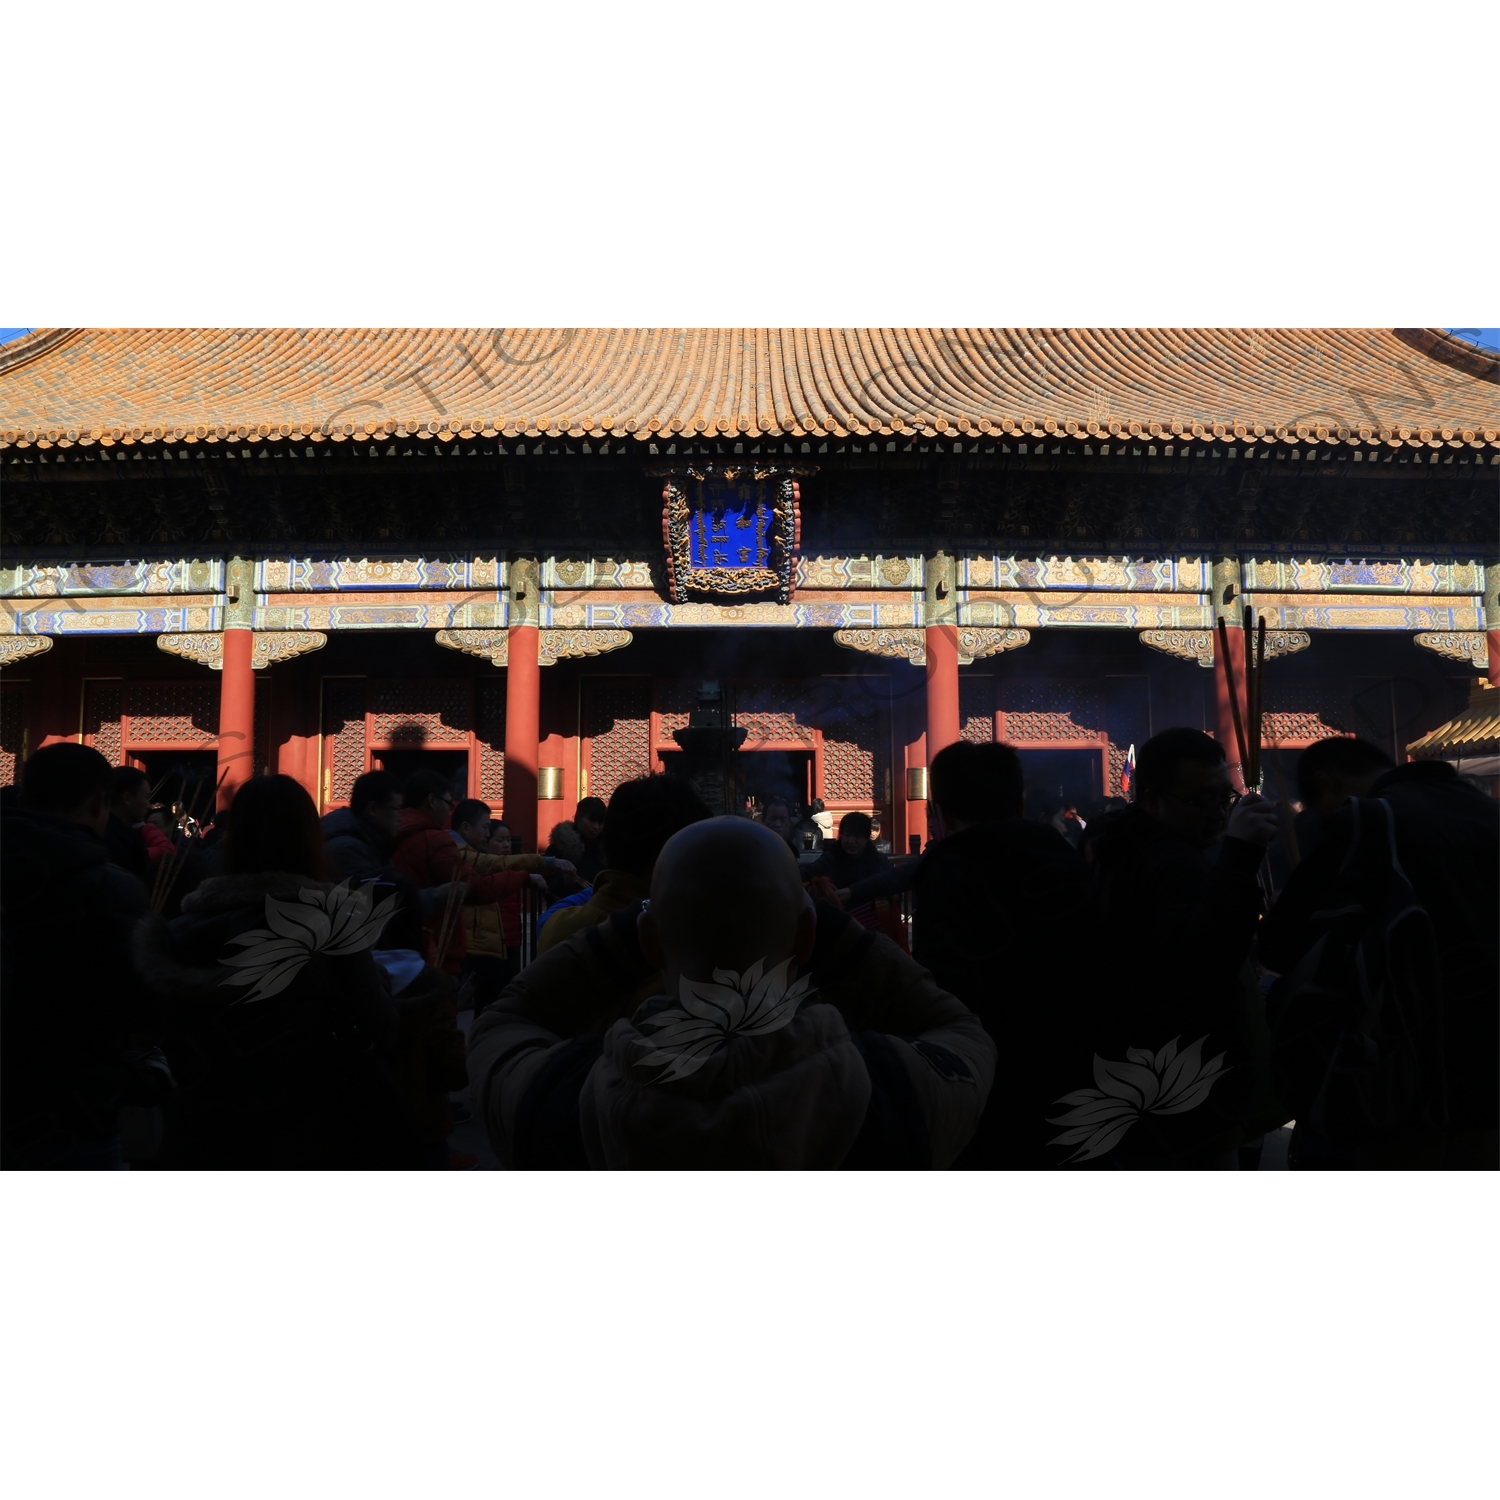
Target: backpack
x=1362 y=1026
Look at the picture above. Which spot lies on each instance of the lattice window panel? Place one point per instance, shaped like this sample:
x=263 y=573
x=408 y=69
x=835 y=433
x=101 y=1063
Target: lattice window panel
x=489 y=728
x=761 y=728
x=617 y=722
x=772 y=711
x=676 y=701
x=856 y=756
x=419 y=713
x=1115 y=770
x=1050 y=710
x=172 y=713
x=101 y=722
x=13 y=703
x=976 y=709
x=343 y=734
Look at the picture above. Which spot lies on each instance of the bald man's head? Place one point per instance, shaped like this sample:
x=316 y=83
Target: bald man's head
x=725 y=893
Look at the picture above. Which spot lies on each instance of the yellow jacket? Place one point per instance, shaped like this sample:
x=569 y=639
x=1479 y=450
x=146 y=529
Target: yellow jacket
x=482 y=924
x=612 y=890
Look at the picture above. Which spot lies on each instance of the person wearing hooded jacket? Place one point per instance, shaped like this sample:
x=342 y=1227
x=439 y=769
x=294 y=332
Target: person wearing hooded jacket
x=299 y=1069
x=1448 y=845
x=861 y=1062
x=74 y=1013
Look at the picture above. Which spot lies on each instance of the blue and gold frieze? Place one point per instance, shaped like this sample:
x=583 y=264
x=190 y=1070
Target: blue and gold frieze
x=431 y=611
x=1363 y=575
x=584 y=572
x=877 y=571
x=1108 y=574
x=1109 y=611
x=812 y=614
x=1343 y=612
x=342 y=575
x=112 y=617
x=41 y=581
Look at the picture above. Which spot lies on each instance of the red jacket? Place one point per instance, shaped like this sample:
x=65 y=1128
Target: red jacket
x=429 y=855
x=157 y=843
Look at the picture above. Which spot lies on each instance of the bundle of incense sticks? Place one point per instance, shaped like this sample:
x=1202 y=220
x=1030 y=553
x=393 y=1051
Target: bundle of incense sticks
x=452 y=910
x=1255 y=682
x=169 y=866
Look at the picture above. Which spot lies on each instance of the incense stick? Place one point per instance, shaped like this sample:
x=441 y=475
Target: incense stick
x=1255 y=669
x=1234 y=702
x=457 y=891
x=1260 y=698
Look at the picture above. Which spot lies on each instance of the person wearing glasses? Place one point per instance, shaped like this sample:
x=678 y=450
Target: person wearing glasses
x=1176 y=879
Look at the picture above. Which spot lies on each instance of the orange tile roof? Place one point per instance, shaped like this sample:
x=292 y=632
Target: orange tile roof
x=184 y=385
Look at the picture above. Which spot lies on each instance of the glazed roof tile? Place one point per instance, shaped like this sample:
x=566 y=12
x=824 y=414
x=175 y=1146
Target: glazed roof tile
x=184 y=385
x=1476 y=728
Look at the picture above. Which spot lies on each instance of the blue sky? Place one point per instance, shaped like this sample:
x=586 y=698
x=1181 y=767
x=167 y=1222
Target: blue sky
x=1489 y=337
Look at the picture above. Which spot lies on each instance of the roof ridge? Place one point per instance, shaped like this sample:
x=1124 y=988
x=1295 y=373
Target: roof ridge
x=1448 y=349
x=30 y=345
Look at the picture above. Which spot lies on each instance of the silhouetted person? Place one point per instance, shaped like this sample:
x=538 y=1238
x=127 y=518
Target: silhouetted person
x=1002 y=920
x=1179 y=899
x=361 y=838
x=777 y=816
x=1329 y=773
x=72 y=1009
x=129 y=804
x=588 y=819
x=360 y=845
x=1447 y=837
x=565 y=843
x=643 y=814
x=886 y=1071
x=298 y=1068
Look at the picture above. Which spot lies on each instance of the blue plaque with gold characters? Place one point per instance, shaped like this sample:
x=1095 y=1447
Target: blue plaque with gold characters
x=731 y=531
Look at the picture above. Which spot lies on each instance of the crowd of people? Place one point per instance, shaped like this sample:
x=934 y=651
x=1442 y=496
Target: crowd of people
x=1160 y=986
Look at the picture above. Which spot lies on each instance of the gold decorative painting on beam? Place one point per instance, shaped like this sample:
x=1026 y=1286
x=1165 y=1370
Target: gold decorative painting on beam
x=14 y=648
x=207 y=647
x=552 y=645
x=1198 y=645
x=1469 y=646
x=909 y=645
x=973 y=644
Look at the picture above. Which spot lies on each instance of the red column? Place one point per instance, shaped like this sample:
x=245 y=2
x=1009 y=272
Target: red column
x=523 y=691
x=236 y=715
x=1493 y=637
x=942 y=688
x=1223 y=715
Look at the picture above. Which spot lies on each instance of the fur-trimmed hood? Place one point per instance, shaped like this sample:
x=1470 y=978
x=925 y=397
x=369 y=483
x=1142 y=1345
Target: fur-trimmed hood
x=181 y=959
x=794 y=1098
